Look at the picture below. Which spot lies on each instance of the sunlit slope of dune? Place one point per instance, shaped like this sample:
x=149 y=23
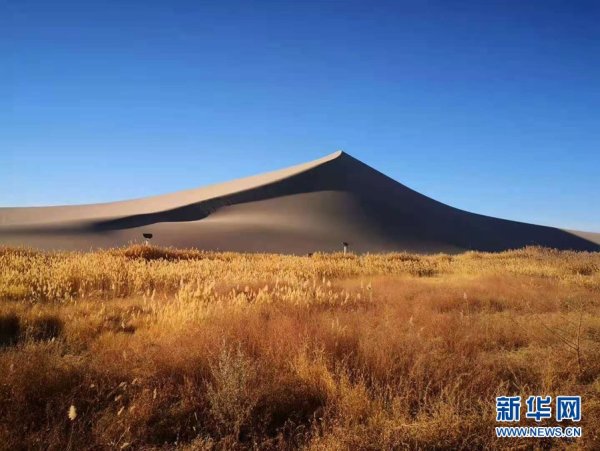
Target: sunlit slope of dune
x=310 y=207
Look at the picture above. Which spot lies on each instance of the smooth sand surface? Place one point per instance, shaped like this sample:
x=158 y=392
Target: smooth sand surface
x=306 y=208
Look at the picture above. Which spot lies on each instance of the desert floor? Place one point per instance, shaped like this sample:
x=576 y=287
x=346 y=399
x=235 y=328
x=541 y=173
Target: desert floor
x=150 y=348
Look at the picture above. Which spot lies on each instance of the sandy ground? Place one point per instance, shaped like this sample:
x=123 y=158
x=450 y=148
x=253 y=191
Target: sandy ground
x=306 y=208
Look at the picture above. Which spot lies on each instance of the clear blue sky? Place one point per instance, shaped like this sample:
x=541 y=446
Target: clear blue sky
x=492 y=107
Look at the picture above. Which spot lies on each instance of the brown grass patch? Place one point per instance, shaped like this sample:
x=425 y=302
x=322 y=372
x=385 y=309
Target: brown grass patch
x=166 y=348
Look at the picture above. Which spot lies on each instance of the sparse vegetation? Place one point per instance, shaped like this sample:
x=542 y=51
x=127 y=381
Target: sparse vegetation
x=151 y=348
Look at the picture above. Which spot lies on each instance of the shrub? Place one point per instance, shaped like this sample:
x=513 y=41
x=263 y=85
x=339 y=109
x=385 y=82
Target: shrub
x=231 y=394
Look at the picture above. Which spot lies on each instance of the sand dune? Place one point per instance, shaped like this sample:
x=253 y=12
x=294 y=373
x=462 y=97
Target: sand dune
x=310 y=207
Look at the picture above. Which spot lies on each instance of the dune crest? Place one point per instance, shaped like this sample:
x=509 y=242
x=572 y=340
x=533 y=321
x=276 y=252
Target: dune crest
x=305 y=208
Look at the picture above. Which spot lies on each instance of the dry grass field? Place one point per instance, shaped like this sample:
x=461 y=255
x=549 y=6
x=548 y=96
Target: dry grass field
x=149 y=348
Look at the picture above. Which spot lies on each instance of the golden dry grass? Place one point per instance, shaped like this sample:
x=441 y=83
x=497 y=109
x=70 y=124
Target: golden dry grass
x=149 y=348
